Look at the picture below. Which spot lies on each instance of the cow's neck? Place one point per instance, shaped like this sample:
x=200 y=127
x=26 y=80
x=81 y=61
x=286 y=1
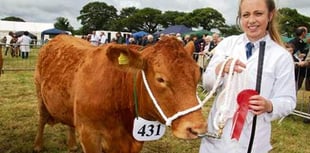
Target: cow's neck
x=145 y=106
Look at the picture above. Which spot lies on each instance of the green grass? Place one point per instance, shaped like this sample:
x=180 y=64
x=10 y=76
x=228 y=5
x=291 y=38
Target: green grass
x=18 y=125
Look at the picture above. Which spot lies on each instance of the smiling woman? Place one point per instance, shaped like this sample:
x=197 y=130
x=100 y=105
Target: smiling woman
x=270 y=73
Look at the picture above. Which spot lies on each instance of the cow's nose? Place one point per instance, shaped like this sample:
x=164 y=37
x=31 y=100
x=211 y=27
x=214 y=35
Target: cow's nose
x=189 y=130
x=196 y=130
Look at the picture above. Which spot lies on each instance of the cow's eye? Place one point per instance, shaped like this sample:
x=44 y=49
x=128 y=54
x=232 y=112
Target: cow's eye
x=160 y=80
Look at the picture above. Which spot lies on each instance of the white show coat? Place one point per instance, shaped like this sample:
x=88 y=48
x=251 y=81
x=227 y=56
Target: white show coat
x=24 y=42
x=278 y=85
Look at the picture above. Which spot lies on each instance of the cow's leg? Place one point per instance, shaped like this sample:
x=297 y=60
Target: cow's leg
x=43 y=119
x=90 y=139
x=125 y=142
x=72 y=144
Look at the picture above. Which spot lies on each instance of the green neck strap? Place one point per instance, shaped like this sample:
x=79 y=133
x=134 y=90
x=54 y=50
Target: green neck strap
x=135 y=94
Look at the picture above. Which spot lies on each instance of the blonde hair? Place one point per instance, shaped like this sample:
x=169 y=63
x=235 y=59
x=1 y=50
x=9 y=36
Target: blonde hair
x=273 y=25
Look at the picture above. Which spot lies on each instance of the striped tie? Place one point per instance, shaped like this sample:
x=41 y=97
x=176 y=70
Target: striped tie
x=249 y=47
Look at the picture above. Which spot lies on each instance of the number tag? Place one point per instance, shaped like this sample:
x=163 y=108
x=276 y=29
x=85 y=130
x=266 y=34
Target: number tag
x=144 y=130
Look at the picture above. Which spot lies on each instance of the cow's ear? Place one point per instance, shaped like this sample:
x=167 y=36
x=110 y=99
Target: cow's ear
x=124 y=56
x=190 y=48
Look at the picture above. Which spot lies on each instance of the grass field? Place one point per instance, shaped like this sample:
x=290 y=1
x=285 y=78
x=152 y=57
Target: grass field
x=18 y=124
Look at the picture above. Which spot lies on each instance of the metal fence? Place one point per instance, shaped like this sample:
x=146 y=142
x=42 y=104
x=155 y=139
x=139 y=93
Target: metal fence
x=303 y=104
x=12 y=59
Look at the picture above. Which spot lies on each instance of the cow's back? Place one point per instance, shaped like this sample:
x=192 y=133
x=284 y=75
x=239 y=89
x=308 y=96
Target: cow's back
x=58 y=61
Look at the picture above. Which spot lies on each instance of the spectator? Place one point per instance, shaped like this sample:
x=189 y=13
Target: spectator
x=131 y=40
x=215 y=41
x=8 y=46
x=300 y=51
x=119 y=38
x=150 y=40
x=187 y=38
x=94 y=39
x=179 y=37
x=103 y=38
x=14 y=46
x=24 y=42
x=199 y=46
x=277 y=97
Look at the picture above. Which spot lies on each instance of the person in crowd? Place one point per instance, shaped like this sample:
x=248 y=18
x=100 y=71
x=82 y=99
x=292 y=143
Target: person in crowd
x=8 y=46
x=208 y=40
x=119 y=38
x=3 y=41
x=143 y=41
x=150 y=40
x=179 y=37
x=215 y=41
x=187 y=38
x=199 y=46
x=15 y=51
x=205 y=54
x=131 y=40
x=160 y=36
x=305 y=64
x=277 y=96
x=103 y=38
x=24 y=41
x=300 y=52
x=94 y=39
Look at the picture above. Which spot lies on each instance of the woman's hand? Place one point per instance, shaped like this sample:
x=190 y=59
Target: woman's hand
x=239 y=66
x=259 y=105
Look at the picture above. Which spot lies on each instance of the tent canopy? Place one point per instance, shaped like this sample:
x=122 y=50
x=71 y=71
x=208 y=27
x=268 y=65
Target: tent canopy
x=198 y=33
x=20 y=33
x=52 y=31
x=176 y=29
x=139 y=34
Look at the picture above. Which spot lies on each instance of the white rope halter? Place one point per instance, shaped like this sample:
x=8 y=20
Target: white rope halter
x=221 y=115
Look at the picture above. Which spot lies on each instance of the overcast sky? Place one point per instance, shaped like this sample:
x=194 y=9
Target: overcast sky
x=47 y=11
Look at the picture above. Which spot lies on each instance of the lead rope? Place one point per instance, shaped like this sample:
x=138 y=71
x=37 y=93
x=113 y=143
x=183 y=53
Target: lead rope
x=199 y=106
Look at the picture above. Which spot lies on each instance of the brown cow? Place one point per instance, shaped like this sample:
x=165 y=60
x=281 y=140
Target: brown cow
x=87 y=89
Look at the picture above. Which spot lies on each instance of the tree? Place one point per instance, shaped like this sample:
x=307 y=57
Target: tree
x=290 y=19
x=123 y=23
x=97 y=16
x=13 y=18
x=230 y=30
x=169 y=18
x=208 y=18
x=146 y=19
x=63 y=24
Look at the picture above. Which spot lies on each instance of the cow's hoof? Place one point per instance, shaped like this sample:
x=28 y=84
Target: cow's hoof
x=36 y=150
x=73 y=149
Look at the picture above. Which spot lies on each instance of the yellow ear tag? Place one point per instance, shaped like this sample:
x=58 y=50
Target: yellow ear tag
x=122 y=59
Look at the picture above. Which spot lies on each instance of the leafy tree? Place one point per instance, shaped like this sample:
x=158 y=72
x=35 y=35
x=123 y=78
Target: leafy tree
x=146 y=19
x=290 y=19
x=124 y=23
x=186 y=20
x=97 y=16
x=63 y=24
x=171 y=18
x=13 y=18
x=230 y=30
x=208 y=18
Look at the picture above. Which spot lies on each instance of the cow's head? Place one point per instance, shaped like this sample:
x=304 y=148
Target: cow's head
x=172 y=75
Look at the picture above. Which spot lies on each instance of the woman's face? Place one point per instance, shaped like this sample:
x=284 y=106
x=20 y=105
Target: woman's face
x=254 y=18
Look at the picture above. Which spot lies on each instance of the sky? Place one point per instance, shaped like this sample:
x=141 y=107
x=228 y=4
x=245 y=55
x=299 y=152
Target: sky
x=47 y=11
